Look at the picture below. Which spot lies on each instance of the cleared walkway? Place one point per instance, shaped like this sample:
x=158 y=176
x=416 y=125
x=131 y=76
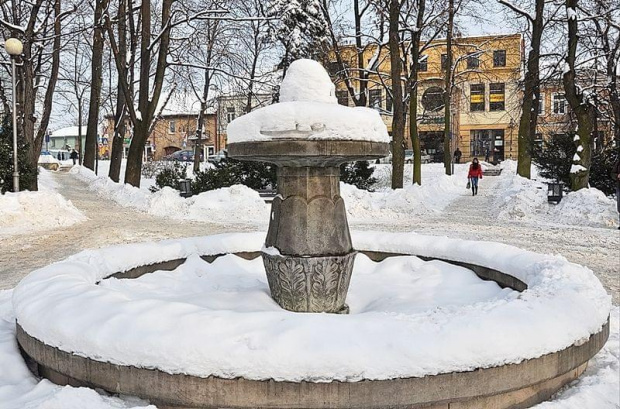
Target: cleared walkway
x=468 y=217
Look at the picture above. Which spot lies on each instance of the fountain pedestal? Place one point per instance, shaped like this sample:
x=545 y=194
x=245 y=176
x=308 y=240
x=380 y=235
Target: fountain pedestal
x=308 y=253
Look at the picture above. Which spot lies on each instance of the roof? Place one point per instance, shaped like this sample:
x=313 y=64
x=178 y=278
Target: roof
x=68 y=131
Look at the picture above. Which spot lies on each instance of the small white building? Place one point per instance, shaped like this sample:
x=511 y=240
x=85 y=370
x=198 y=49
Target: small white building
x=66 y=138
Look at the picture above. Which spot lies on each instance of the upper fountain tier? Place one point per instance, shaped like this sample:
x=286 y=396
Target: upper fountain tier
x=308 y=127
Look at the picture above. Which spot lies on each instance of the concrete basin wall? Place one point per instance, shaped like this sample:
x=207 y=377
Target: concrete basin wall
x=510 y=386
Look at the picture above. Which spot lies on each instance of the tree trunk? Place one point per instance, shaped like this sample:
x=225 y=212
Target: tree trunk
x=447 y=135
x=146 y=103
x=531 y=96
x=398 y=119
x=28 y=93
x=583 y=109
x=79 y=139
x=116 y=156
x=413 y=99
x=90 y=150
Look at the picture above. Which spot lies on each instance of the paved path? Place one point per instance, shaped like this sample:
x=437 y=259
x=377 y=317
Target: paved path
x=114 y=225
x=468 y=217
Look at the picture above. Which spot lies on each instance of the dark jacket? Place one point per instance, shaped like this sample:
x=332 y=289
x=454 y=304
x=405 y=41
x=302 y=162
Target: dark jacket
x=73 y=155
x=615 y=172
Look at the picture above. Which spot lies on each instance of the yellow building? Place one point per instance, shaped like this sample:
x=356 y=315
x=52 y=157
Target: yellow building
x=485 y=95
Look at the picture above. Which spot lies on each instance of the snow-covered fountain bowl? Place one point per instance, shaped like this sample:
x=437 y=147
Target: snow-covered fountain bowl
x=431 y=322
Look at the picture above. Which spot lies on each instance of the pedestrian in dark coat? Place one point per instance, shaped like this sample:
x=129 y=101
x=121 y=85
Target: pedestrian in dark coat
x=475 y=173
x=457 y=155
x=74 y=156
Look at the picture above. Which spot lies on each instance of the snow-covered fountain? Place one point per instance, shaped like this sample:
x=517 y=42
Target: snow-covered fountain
x=210 y=322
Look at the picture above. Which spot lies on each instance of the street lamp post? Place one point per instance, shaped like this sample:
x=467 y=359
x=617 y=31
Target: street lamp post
x=14 y=48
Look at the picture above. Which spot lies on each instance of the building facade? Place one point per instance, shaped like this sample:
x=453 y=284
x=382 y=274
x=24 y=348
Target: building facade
x=233 y=106
x=485 y=94
x=171 y=133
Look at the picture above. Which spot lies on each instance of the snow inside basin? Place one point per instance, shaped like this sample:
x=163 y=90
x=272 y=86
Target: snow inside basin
x=408 y=318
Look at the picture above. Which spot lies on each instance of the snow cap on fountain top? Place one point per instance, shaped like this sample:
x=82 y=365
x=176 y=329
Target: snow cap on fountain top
x=308 y=110
x=307 y=80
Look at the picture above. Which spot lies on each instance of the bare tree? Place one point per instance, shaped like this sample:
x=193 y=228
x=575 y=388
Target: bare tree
x=38 y=25
x=531 y=84
x=580 y=103
x=91 y=148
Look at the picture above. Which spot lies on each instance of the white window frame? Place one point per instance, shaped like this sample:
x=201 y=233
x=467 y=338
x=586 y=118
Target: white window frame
x=172 y=126
x=563 y=100
x=231 y=114
x=541 y=104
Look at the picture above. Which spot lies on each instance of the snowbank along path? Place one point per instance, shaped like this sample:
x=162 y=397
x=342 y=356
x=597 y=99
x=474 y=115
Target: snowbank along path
x=107 y=224
x=474 y=218
x=467 y=217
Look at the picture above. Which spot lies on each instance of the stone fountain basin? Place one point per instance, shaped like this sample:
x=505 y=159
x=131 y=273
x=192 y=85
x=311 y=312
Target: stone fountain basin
x=296 y=152
x=534 y=339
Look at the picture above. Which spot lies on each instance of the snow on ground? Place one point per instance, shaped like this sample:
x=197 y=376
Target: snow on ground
x=525 y=199
x=236 y=204
x=46 y=209
x=19 y=389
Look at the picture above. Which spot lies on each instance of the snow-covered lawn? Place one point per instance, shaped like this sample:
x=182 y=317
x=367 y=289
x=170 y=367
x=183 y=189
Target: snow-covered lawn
x=46 y=209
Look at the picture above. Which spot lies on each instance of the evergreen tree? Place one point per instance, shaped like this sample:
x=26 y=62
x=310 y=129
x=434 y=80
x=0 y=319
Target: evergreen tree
x=27 y=173
x=358 y=174
x=554 y=160
x=228 y=172
x=302 y=28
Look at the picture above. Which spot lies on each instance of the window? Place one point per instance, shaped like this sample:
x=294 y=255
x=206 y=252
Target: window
x=487 y=143
x=559 y=104
x=374 y=98
x=473 y=62
x=343 y=97
x=388 y=103
x=230 y=114
x=172 y=127
x=497 y=97
x=499 y=58
x=444 y=61
x=541 y=104
x=476 y=97
x=432 y=99
x=423 y=63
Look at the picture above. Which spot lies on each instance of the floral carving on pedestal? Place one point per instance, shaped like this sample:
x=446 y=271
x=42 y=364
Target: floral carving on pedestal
x=309 y=284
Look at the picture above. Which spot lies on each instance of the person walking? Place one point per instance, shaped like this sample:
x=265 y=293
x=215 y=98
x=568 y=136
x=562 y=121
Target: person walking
x=615 y=174
x=457 y=155
x=475 y=173
x=74 y=156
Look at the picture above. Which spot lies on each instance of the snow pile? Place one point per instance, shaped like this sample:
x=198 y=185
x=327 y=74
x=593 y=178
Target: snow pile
x=20 y=389
x=236 y=204
x=390 y=205
x=308 y=110
x=302 y=73
x=525 y=199
x=239 y=331
x=48 y=159
x=597 y=387
x=27 y=212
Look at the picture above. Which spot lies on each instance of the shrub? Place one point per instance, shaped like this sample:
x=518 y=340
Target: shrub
x=555 y=160
x=228 y=172
x=358 y=174
x=27 y=173
x=170 y=176
x=153 y=168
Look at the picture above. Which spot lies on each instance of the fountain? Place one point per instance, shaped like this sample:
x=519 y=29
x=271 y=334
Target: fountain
x=189 y=323
x=309 y=255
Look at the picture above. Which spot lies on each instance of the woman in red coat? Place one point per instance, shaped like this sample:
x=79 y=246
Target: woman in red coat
x=475 y=173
